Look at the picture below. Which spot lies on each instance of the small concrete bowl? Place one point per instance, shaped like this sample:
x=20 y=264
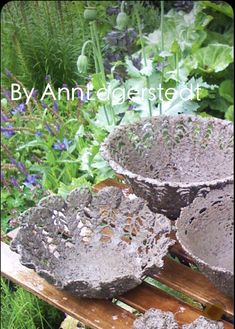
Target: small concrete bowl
x=169 y=160
x=204 y=323
x=157 y=319
x=205 y=231
x=94 y=245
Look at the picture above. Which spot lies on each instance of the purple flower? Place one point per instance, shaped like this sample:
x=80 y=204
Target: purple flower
x=19 y=165
x=19 y=109
x=131 y=107
x=34 y=93
x=31 y=180
x=14 y=182
x=48 y=128
x=48 y=78
x=7 y=94
x=85 y=97
x=160 y=66
x=8 y=131
x=8 y=73
x=44 y=105
x=64 y=85
x=55 y=106
x=38 y=134
x=62 y=146
x=4 y=118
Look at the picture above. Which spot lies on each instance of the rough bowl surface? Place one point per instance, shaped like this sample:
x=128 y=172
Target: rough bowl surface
x=156 y=319
x=94 y=245
x=203 y=323
x=169 y=160
x=205 y=231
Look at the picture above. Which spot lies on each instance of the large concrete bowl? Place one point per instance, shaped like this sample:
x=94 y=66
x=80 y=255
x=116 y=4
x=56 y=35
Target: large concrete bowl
x=93 y=245
x=205 y=231
x=169 y=160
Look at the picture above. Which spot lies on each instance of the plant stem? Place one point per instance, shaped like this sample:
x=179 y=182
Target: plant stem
x=99 y=54
x=162 y=25
x=99 y=62
x=177 y=66
x=162 y=46
x=144 y=57
x=122 y=6
x=84 y=46
x=94 y=51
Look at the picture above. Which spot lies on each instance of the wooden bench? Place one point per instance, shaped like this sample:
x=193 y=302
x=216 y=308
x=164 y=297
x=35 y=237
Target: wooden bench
x=121 y=312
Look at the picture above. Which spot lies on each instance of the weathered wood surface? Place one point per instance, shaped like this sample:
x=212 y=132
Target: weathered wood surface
x=193 y=284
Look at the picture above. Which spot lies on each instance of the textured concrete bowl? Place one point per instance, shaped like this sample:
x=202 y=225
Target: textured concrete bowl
x=93 y=245
x=205 y=231
x=156 y=319
x=168 y=161
x=203 y=323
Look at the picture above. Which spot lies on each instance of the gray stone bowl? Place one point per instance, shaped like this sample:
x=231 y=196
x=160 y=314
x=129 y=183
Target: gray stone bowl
x=157 y=319
x=204 y=323
x=205 y=231
x=93 y=245
x=169 y=160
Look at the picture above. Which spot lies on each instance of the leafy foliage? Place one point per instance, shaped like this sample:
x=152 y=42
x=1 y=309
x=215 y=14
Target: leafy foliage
x=21 y=309
x=44 y=37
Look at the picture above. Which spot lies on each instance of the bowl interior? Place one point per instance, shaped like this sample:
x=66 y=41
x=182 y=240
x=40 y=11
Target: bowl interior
x=93 y=238
x=205 y=229
x=178 y=149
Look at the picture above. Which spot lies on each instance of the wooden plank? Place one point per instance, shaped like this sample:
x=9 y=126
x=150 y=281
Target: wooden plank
x=98 y=314
x=110 y=182
x=194 y=284
x=146 y=296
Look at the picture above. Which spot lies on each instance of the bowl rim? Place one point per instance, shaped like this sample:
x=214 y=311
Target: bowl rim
x=198 y=260
x=104 y=150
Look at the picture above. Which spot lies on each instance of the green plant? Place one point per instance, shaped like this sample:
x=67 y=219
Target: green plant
x=21 y=309
x=54 y=146
x=43 y=37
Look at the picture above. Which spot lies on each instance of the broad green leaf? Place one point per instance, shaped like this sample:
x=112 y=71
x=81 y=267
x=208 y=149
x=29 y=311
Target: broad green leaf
x=226 y=89
x=229 y=114
x=132 y=71
x=214 y=57
x=224 y=7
